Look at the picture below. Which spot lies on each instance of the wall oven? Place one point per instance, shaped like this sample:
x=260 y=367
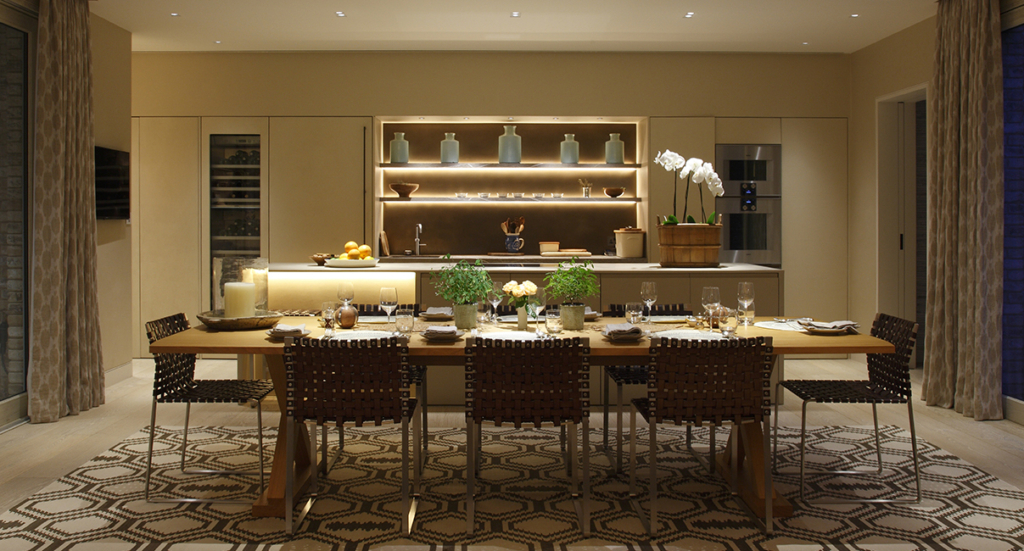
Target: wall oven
x=751 y=208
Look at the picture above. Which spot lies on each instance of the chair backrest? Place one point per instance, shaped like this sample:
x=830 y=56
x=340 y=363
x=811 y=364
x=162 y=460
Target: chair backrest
x=892 y=371
x=173 y=371
x=347 y=380
x=528 y=381
x=679 y=309
x=710 y=381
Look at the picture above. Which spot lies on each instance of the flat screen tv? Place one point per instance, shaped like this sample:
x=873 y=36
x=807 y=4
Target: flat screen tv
x=113 y=187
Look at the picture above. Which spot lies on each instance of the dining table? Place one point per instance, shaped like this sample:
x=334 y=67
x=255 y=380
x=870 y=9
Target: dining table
x=203 y=340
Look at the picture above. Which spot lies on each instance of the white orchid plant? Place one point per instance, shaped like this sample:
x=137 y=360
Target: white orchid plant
x=696 y=171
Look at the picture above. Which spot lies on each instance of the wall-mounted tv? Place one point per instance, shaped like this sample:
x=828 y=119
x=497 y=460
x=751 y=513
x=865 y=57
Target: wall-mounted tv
x=113 y=187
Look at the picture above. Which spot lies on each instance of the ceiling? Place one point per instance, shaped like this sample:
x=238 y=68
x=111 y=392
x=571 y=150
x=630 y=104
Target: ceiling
x=543 y=25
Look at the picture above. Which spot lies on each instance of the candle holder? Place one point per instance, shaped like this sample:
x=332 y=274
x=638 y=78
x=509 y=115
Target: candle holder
x=235 y=280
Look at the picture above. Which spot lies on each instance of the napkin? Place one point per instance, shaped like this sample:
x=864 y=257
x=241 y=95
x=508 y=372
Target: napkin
x=622 y=330
x=440 y=330
x=439 y=311
x=284 y=330
x=844 y=324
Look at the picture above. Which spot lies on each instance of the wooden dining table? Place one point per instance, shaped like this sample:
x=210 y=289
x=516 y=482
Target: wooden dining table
x=202 y=340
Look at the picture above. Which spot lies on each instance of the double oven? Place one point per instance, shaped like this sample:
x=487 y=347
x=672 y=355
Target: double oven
x=751 y=208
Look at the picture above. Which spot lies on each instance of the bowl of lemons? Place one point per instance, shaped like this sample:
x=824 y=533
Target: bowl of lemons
x=356 y=256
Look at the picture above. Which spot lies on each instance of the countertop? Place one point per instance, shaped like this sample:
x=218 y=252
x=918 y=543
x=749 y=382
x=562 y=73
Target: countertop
x=522 y=264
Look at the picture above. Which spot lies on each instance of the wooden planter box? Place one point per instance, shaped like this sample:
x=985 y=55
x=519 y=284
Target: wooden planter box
x=690 y=245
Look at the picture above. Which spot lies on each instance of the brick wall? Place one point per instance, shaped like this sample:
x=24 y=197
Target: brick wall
x=12 y=212
x=1013 y=267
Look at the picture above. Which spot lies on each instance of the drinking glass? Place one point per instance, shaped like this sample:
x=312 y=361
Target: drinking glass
x=710 y=299
x=553 y=320
x=404 y=320
x=744 y=299
x=495 y=296
x=388 y=300
x=634 y=312
x=346 y=292
x=327 y=314
x=727 y=321
x=649 y=294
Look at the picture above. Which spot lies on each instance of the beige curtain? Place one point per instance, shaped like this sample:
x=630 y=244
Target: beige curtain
x=66 y=371
x=963 y=344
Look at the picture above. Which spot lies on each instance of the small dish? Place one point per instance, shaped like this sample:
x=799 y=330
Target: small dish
x=556 y=195
x=483 y=195
x=502 y=195
x=614 y=192
x=279 y=336
x=517 y=195
x=538 y=195
x=321 y=258
x=461 y=195
x=442 y=337
x=404 y=189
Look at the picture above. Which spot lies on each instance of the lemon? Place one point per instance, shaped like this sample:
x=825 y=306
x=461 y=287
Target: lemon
x=365 y=251
x=353 y=254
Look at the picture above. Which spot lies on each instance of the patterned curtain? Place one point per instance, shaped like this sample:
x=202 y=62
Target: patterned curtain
x=963 y=341
x=66 y=371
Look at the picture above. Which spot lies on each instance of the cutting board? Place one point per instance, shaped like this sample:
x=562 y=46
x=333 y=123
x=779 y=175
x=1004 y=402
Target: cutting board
x=565 y=254
x=505 y=254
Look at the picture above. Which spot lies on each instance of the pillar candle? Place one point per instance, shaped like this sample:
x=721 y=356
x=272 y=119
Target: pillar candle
x=239 y=300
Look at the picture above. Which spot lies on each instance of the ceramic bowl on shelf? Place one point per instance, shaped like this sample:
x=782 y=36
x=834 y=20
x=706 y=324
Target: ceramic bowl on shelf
x=517 y=195
x=483 y=195
x=403 y=189
x=321 y=258
x=461 y=195
x=556 y=195
x=538 y=195
x=614 y=191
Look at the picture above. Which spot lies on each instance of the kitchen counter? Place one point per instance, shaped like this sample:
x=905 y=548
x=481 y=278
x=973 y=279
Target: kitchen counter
x=526 y=264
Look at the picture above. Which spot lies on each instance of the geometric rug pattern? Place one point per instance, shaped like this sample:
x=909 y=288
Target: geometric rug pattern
x=522 y=501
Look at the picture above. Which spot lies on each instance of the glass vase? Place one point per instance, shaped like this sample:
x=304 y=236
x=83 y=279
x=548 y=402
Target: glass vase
x=522 y=318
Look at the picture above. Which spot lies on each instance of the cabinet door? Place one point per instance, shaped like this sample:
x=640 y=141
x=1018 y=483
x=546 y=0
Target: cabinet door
x=689 y=137
x=623 y=288
x=317 y=178
x=168 y=219
x=767 y=301
x=814 y=217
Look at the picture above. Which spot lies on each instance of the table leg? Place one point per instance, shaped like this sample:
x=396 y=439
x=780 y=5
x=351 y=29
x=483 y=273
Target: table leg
x=271 y=503
x=751 y=471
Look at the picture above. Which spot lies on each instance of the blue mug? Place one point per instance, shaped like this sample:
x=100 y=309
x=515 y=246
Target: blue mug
x=513 y=242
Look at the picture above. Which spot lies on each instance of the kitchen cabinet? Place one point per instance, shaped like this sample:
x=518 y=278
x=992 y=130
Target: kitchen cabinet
x=167 y=226
x=319 y=167
x=748 y=130
x=571 y=219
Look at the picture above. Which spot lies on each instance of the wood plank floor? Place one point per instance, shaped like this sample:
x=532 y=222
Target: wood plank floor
x=36 y=455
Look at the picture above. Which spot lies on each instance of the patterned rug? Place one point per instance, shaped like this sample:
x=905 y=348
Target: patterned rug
x=522 y=502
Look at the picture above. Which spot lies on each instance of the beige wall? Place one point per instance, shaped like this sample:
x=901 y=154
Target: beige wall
x=111 y=49
x=899 y=62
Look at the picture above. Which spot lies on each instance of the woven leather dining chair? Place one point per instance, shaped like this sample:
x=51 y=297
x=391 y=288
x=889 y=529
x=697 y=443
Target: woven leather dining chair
x=888 y=382
x=628 y=375
x=698 y=382
x=535 y=382
x=174 y=382
x=348 y=381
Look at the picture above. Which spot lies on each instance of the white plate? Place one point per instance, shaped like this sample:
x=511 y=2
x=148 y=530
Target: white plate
x=690 y=334
x=823 y=331
x=343 y=335
x=273 y=335
x=671 y=319
x=436 y=317
x=373 y=319
x=514 y=318
x=443 y=337
x=512 y=336
x=346 y=263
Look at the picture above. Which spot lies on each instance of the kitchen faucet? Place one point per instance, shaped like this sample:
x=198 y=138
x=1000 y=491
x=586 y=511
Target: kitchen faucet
x=419 y=229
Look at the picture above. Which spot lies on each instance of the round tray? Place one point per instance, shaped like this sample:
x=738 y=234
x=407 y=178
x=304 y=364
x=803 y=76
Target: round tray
x=264 y=319
x=346 y=263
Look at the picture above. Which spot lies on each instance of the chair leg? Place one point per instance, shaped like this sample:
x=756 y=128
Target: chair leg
x=913 y=449
x=878 y=440
x=289 y=480
x=803 y=445
x=406 y=523
x=654 y=477
x=586 y=476
x=632 y=453
x=618 y=428
x=574 y=469
x=768 y=506
x=259 y=442
x=775 y=431
x=149 y=457
x=471 y=453
x=605 y=392
x=711 y=449
x=184 y=439
x=423 y=404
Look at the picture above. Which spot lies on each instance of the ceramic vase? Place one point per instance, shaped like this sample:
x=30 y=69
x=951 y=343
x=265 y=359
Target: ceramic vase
x=449 y=148
x=614 y=150
x=570 y=150
x=465 y=316
x=510 y=146
x=346 y=316
x=573 y=316
x=399 y=148
x=522 y=318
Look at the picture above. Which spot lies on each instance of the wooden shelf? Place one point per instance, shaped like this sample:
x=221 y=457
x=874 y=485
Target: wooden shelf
x=623 y=200
x=558 y=166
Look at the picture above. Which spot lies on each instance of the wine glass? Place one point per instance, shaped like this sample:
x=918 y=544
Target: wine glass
x=744 y=298
x=710 y=299
x=388 y=300
x=346 y=292
x=649 y=294
x=495 y=296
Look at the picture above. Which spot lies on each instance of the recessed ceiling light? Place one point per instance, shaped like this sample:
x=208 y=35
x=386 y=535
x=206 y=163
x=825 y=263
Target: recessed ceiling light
x=465 y=118
x=174 y=15
x=421 y=118
x=511 y=118
x=515 y=14
x=216 y=41
x=806 y=43
x=855 y=15
x=689 y=14
x=554 y=118
x=340 y=13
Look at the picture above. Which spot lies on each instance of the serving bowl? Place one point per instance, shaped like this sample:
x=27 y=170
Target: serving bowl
x=614 y=191
x=403 y=189
x=321 y=258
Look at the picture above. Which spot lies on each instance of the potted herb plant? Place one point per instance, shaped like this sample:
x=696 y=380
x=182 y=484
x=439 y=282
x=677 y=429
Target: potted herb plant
x=693 y=244
x=464 y=285
x=572 y=282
